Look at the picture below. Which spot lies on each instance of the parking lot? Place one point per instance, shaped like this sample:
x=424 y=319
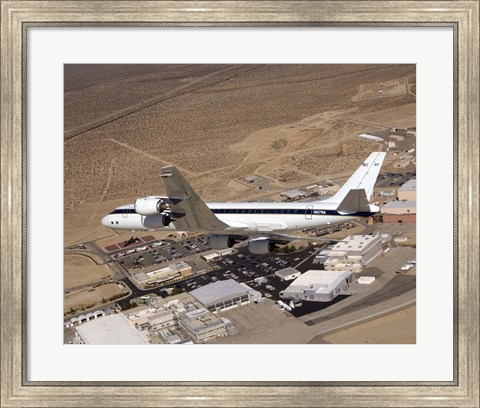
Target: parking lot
x=394 y=180
x=259 y=274
x=241 y=267
x=256 y=271
x=136 y=258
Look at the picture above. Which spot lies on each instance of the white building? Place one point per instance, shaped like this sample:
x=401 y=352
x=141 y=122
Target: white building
x=152 y=275
x=210 y=256
x=353 y=253
x=318 y=286
x=370 y=138
x=287 y=274
x=112 y=329
x=408 y=191
x=328 y=190
x=293 y=194
x=335 y=264
x=201 y=325
x=215 y=255
x=222 y=295
x=399 y=207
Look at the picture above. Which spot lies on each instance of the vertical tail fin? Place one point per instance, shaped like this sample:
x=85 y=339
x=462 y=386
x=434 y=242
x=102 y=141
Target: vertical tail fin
x=363 y=178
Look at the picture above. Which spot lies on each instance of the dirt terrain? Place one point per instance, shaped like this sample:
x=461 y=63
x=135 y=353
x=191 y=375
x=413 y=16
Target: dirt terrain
x=218 y=123
x=290 y=124
x=396 y=328
x=81 y=270
x=89 y=298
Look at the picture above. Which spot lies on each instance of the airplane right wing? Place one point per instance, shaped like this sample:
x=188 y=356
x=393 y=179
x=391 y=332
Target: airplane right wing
x=188 y=210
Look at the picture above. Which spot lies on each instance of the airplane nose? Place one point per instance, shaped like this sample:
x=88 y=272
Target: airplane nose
x=106 y=221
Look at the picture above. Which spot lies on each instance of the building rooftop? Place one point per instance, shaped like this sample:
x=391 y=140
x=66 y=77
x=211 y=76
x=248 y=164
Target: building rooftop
x=160 y=275
x=293 y=193
x=213 y=292
x=410 y=185
x=318 y=281
x=281 y=273
x=400 y=204
x=250 y=179
x=112 y=329
x=356 y=242
x=201 y=319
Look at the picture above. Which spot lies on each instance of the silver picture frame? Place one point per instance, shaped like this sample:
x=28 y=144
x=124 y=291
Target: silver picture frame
x=18 y=16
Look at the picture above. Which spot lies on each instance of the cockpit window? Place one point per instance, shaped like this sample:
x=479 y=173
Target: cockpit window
x=123 y=211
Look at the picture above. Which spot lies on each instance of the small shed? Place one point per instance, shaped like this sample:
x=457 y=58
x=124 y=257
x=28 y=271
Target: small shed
x=288 y=274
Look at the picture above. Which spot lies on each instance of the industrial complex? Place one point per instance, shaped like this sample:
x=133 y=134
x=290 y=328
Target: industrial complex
x=292 y=222
x=183 y=292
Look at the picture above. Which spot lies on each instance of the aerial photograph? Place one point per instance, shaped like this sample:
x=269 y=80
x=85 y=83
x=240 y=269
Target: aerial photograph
x=239 y=204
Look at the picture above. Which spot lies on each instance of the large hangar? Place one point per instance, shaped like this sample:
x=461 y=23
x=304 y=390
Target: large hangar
x=408 y=191
x=353 y=253
x=400 y=212
x=318 y=286
x=112 y=329
x=222 y=295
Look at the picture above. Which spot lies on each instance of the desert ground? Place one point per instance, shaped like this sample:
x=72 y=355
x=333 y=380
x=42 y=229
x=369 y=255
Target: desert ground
x=89 y=298
x=82 y=270
x=395 y=328
x=217 y=124
x=291 y=124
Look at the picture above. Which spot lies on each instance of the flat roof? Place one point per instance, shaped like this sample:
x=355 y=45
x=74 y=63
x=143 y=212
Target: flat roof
x=286 y=272
x=218 y=291
x=356 y=242
x=401 y=204
x=112 y=329
x=410 y=185
x=318 y=281
x=293 y=193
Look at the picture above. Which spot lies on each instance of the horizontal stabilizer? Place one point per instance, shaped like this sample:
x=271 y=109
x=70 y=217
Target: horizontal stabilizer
x=355 y=201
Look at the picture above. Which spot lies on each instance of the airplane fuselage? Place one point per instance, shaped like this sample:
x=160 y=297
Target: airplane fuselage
x=264 y=224
x=249 y=217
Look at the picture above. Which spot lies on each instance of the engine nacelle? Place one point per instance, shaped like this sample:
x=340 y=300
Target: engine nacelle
x=157 y=221
x=221 y=241
x=149 y=206
x=261 y=246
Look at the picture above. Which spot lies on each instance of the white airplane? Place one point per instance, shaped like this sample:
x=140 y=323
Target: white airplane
x=262 y=223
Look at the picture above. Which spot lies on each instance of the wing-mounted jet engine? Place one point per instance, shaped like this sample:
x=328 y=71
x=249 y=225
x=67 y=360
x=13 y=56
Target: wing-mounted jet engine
x=261 y=246
x=150 y=205
x=157 y=221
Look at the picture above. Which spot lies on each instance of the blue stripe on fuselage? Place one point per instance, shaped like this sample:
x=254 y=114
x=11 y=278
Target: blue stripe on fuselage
x=286 y=211
x=276 y=211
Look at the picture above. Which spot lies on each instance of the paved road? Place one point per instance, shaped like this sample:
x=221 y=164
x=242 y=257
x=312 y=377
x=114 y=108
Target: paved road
x=399 y=285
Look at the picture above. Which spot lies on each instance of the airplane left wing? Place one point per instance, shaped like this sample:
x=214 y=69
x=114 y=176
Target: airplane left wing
x=188 y=210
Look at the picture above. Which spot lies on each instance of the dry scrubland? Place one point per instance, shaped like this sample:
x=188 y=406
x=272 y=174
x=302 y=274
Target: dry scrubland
x=216 y=123
x=90 y=298
x=81 y=270
x=396 y=328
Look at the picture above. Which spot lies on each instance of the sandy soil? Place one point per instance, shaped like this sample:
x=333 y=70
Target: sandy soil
x=396 y=328
x=399 y=116
x=217 y=123
x=90 y=298
x=81 y=270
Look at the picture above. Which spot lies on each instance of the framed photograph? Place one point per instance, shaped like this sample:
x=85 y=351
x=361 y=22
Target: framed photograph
x=215 y=203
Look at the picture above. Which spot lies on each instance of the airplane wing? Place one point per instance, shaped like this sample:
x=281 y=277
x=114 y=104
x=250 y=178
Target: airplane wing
x=188 y=210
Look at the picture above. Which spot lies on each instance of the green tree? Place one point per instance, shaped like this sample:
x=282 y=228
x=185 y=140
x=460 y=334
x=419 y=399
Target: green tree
x=176 y=291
